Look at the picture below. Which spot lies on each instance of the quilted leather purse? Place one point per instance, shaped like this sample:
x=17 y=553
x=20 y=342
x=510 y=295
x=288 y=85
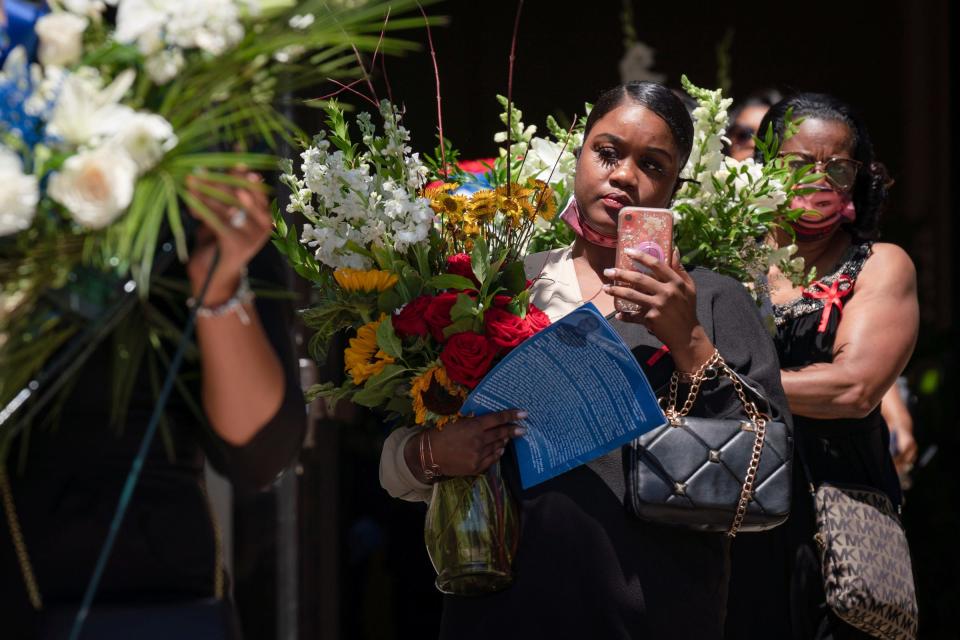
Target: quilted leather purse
x=867 y=575
x=711 y=474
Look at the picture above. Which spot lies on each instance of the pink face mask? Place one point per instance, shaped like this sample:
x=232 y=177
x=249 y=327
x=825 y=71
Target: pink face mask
x=827 y=210
x=578 y=222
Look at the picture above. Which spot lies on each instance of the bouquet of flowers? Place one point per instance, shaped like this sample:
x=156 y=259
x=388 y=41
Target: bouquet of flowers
x=727 y=209
x=430 y=282
x=99 y=133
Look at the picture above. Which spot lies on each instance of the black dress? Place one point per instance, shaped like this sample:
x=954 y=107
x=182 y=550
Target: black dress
x=777 y=585
x=74 y=467
x=585 y=567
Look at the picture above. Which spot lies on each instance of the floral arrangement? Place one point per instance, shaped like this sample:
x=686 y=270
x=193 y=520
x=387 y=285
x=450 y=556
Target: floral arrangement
x=101 y=127
x=727 y=210
x=430 y=280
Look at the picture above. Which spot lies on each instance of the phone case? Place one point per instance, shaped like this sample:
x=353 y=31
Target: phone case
x=650 y=231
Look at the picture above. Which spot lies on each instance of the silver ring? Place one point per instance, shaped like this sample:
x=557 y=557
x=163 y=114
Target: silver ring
x=238 y=219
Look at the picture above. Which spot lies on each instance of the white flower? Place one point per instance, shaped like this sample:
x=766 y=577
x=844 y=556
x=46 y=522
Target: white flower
x=163 y=66
x=84 y=112
x=542 y=156
x=61 y=38
x=19 y=195
x=301 y=22
x=146 y=137
x=211 y=25
x=95 y=187
x=136 y=18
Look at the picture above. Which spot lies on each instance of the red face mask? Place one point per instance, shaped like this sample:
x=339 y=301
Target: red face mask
x=827 y=209
x=581 y=226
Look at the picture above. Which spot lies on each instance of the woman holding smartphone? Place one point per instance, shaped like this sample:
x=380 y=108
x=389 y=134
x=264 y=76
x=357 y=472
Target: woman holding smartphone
x=585 y=567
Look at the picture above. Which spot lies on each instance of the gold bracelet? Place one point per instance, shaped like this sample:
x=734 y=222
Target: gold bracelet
x=432 y=471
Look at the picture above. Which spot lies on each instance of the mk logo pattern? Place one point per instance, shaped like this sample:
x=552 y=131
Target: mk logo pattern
x=867 y=574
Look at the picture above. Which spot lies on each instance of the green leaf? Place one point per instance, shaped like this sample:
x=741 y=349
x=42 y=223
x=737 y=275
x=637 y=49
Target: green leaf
x=451 y=281
x=459 y=326
x=387 y=339
x=389 y=301
x=514 y=278
x=464 y=307
x=378 y=389
x=480 y=259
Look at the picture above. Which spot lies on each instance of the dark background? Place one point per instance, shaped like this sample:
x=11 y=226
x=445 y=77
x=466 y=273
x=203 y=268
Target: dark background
x=364 y=571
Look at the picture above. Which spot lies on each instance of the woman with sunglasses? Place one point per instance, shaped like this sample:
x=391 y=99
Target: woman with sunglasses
x=842 y=342
x=745 y=120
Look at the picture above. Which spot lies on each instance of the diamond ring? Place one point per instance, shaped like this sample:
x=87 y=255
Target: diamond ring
x=238 y=218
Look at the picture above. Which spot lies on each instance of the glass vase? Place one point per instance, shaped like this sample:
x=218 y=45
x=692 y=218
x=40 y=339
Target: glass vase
x=471 y=532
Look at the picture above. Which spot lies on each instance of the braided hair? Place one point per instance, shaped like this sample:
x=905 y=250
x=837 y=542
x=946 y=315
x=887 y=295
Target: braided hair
x=871 y=188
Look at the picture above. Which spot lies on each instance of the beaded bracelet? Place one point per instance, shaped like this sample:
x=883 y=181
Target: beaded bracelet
x=243 y=295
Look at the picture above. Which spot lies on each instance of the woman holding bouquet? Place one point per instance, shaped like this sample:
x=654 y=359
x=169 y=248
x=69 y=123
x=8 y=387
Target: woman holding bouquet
x=842 y=342
x=585 y=567
x=166 y=568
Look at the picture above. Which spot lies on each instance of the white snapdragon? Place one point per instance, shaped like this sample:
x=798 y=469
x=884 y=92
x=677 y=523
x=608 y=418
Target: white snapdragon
x=61 y=38
x=95 y=187
x=19 y=196
x=368 y=201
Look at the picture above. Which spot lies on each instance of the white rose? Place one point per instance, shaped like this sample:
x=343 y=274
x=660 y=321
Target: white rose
x=19 y=196
x=96 y=187
x=146 y=137
x=61 y=38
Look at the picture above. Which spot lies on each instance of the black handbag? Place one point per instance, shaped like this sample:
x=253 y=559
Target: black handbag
x=707 y=474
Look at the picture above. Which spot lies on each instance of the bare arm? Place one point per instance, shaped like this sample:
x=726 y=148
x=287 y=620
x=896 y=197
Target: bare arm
x=243 y=381
x=874 y=341
x=898 y=419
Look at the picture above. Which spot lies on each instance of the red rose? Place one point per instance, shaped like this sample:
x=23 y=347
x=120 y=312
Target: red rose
x=505 y=329
x=537 y=319
x=437 y=314
x=460 y=265
x=410 y=320
x=467 y=357
x=502 y=301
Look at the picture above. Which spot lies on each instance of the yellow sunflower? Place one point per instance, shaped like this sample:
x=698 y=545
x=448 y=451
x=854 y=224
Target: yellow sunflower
x=365 y=281
x=546 y=201
x=484 y=204
x=363 y=359
x=434 y=394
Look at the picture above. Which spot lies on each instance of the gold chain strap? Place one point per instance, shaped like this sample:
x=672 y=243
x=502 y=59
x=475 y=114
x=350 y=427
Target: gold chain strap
x=23 y=558
x=717 y=366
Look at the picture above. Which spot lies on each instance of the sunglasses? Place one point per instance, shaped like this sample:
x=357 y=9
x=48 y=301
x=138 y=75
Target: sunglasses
x=839 y=172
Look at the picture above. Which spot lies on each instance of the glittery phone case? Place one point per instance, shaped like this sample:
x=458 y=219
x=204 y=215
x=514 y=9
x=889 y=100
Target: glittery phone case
x=650 y=231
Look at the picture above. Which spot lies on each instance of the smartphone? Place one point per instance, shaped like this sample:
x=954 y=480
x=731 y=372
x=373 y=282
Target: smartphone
x=648 y=230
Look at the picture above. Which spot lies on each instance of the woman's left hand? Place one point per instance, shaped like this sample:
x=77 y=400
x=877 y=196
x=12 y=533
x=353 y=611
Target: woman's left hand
x=242 y=226
x=667 y=297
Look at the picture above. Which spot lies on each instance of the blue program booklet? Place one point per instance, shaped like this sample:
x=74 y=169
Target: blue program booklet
x=582 y=388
